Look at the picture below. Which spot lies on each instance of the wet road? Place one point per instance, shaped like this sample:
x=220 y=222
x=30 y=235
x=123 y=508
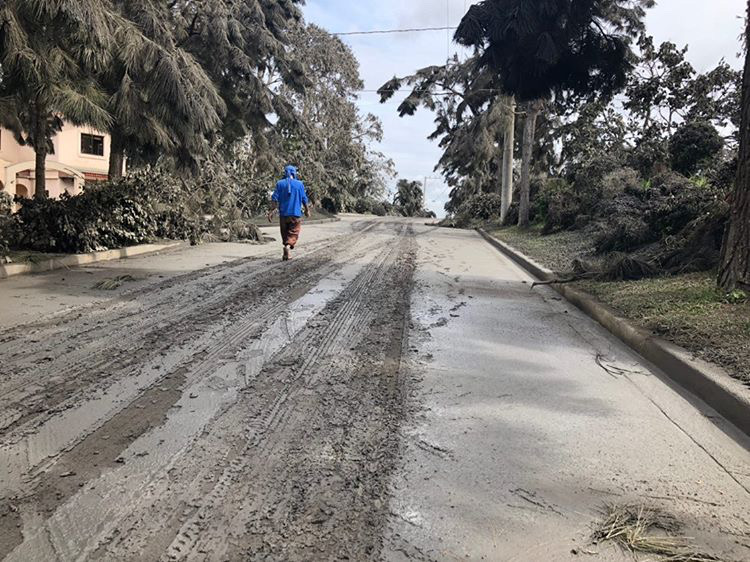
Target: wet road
x=395 y=392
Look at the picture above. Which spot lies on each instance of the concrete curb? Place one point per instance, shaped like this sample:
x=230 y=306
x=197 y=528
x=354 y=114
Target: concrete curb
x=710 y=383
x=13 y=269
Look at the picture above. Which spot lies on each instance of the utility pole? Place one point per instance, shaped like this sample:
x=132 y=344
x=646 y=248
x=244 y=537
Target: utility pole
x=506 y=195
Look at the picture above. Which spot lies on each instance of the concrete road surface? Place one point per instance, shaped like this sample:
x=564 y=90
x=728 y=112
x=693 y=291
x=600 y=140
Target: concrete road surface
x=396 y=392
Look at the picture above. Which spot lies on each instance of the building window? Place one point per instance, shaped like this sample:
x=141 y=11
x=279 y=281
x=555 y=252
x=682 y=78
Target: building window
x=92 y=144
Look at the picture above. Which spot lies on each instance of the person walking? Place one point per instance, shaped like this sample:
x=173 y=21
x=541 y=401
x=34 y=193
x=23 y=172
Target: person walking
x=291 y=200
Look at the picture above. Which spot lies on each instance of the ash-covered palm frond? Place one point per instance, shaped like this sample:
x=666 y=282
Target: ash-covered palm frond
x=49 y=51
x=555 y=46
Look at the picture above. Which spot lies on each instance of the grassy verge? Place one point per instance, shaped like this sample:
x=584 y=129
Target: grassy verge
x=686 y=309
x=554 y=251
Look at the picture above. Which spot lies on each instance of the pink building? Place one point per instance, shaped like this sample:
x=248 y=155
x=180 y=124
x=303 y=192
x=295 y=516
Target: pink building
x=81 y=154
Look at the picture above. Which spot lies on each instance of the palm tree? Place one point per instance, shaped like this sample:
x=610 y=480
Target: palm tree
x=160 y=98
x=48 y=50
x=549 y=48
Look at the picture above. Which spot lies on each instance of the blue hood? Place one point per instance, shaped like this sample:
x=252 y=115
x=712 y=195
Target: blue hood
x=290 y=173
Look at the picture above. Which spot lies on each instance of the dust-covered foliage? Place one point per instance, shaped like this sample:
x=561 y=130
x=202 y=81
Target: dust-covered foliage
x=641 y=165
x=149 y=204
x=7 y=225
x=103 y=216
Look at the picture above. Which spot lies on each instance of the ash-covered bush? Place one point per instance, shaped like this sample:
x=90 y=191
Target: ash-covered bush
x=623 y=233
x=619 y=181
x=558 y=204
x=481 y=207
x=676 y=222
x=133 y=210
x=6 y=203
x=588 y=177
x=103 y=216
x=693 y=146
x=363 y=205
x=380 y=208
x=8 y=226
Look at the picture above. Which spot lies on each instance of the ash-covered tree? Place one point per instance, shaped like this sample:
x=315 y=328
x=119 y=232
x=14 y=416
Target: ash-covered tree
x=693 y=147
x=244 y=48
x=49 y=51
x=664 y=91
x=552 y=48
x=470 y=123
x=734 y=269
x=409 y=198
x=161 y=100
x=327 y=136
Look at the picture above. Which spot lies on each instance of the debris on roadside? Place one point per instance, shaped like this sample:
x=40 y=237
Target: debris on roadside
x=113 y=283
x=639 y=529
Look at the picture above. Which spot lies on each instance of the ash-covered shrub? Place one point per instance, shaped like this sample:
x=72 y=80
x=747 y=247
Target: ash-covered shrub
x=619 y=181
x=364 y=205
x=8 y=226
x=482 y=207
x=622 y=233
x=102 y=217
x=133 y=210
x=588 y=177
x=558 y=204
x=380 y=208
x=6 y=203
x=693 y=146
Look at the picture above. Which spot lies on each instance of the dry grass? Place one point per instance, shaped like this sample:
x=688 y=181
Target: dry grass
x=553 y=251
x=644 y=530
x=688 y=310
x=113 y=283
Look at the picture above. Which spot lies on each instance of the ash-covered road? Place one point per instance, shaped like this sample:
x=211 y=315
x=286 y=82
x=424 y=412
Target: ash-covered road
x=395 y=392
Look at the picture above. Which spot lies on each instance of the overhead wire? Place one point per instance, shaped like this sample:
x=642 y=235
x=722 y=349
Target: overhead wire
x=388 y=31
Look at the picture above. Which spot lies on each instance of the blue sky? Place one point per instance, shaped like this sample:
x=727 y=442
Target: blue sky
x=711 y=27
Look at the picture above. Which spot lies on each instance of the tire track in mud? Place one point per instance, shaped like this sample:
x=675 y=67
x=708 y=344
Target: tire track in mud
x=96 y=352
x=54 y=488
x=345 y=399
x=333 y=389
x=154 y=401
x=114 y=349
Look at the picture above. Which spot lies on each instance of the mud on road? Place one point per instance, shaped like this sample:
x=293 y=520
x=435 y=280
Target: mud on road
x=244 y=411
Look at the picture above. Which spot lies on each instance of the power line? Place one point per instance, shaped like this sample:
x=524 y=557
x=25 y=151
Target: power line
x=387 y=31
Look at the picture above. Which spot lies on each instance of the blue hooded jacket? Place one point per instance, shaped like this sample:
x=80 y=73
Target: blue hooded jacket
x=290 y=194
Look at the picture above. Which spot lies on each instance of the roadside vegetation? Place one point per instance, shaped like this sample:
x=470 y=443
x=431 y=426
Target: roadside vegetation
x=207 y=101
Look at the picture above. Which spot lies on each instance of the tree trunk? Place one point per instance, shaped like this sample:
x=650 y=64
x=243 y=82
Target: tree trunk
x=506 y=196
x=734 y=269
x=40 y=150
x=529 y=129
x=116 y=156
